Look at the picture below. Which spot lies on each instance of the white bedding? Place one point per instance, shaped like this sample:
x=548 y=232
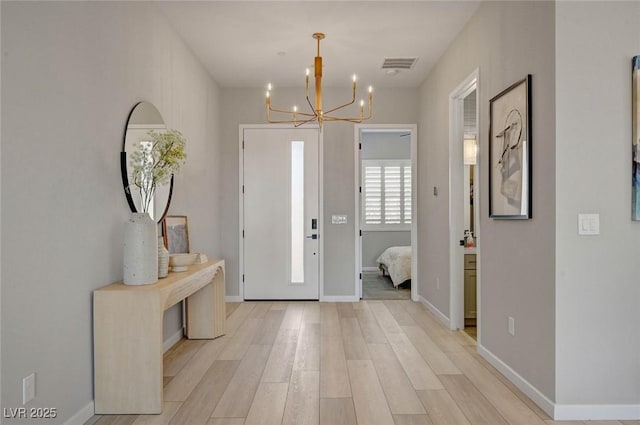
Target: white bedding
x=397 y=260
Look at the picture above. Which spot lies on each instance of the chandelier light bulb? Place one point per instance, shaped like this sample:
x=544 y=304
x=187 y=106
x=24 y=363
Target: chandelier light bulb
x=268 y=94
x=354 y=78
x=295 y=109
x=308 y=72
x=361 y=103
x=370 y=89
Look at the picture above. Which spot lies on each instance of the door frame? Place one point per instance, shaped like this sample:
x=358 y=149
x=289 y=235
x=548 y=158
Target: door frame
x=456 y=202
x=242 y=127
x=413 y=128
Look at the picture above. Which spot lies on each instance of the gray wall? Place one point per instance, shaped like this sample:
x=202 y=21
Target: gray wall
x=383 y=145
x=71 y=72
x=506 y=41
x=597 y=290
x=374 y=243
x=246 y=106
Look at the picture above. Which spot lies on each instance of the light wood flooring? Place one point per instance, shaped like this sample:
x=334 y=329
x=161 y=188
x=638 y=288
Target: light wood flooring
x=368 y=363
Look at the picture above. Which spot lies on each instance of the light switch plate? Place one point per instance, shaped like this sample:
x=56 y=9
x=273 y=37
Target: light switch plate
x=588 y=224
x=339 y=219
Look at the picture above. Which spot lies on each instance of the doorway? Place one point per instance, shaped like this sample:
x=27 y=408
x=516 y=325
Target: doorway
x=280 y=210
x=386 y=237
x=464 y=229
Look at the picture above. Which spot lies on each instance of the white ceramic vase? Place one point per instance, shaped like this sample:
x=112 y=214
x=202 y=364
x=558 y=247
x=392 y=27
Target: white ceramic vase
x=163 y=259
x=140 y=250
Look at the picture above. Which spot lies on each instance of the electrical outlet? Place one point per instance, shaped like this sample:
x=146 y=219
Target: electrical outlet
x=512 y=326
x=437 y=283
x=28 y=388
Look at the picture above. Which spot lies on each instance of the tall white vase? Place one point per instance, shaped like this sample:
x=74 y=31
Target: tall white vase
x=140 y=250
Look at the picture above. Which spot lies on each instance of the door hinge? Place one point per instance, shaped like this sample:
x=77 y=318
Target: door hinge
x=242 y=143
x=360 y=232
x=360 y=189
x=243 y=278
x=243 y=234
x=360 y=146
x=242 y=188
x=360 y=276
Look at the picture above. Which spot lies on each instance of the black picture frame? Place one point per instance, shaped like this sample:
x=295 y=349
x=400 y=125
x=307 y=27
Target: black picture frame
x=510 y=153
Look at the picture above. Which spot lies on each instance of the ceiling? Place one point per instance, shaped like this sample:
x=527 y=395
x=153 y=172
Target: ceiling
x=251 y=43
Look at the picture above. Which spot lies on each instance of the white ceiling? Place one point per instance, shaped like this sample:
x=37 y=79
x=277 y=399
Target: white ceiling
x=241 y=43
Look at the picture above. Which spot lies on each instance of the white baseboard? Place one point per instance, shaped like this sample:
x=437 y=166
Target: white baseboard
x=523 y=385
x=370 y=269
x=339 y=299
x=432 y=308
x=82 y=416
x=600 y=412
x=172 y=340
x=233 y=299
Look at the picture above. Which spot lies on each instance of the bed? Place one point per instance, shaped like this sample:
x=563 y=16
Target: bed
x=396 y=262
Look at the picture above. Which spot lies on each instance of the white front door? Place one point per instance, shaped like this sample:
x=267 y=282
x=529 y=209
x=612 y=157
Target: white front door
x=281 y=227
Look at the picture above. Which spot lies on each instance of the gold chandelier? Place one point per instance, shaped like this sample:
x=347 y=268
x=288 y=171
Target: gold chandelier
x=317 y=114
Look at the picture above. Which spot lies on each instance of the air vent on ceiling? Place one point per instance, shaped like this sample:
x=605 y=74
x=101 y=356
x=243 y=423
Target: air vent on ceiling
x=399 y=63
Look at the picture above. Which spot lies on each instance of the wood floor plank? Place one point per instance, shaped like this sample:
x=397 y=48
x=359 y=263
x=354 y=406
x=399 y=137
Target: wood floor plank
x=268 y=331
x=303 y=399
x=178 y=355
x=116 y=420
x=280 y=363
x=550 y=422
x=412 y=420
x=260 y=309
x=603 y=423
x=473 y=404
x=179 y=388
x=238 y=317
x=329 y=320
x=279 y=305
x=293 y=316
x=418 y=371
x=371 y=330
x=268 y=405
x=308 y=350
x=384 y=317
x=506 y=402
x=430 y=351
x=237 y=398
x=436 y=330
x=226 y=421
x=337 y=411
x=334 y=378
x=231 y=307
x=240 y=341
x=355 y=348
x=197 y=409
x=169 y=409
x=441 y=408
x=522 y=396
x=368 y=397
x=398 y=310
x=345 y=310
x=398 y=391
x=630 y=422
x=311 y=313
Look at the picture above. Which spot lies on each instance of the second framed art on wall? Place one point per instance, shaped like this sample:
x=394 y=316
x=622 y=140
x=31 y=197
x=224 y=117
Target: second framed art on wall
x=510 y=152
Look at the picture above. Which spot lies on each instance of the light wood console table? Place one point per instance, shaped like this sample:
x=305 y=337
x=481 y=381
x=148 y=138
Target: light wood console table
x=127 y=340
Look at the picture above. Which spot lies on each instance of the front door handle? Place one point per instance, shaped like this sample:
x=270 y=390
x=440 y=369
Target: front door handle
x=314 y=236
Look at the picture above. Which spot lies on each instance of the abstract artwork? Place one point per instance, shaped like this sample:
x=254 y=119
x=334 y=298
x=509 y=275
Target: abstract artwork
x=510 y=152
x=635 y=141
x=176 y=234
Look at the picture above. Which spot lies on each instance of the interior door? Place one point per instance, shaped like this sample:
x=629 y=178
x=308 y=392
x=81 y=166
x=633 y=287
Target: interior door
x=281 y=228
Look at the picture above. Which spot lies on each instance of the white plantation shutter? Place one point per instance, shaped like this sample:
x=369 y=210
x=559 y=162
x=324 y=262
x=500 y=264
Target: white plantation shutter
x=386 y=194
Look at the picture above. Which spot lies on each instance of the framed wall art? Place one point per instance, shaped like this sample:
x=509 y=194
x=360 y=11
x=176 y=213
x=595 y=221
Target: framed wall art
x=510 y=152
x=635 y=139
x=176 y=234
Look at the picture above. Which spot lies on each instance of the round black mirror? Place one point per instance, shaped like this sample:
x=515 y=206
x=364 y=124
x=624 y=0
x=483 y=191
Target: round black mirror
x=144 y=118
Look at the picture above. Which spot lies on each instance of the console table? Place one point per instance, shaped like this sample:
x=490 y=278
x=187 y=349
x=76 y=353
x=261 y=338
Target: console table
x=127 y=328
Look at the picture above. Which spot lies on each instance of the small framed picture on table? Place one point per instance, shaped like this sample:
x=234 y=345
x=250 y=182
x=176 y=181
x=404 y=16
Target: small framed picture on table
x=176 y=234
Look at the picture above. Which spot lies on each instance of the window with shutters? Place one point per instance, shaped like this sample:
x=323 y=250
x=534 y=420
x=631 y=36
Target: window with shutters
x=386 y=195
